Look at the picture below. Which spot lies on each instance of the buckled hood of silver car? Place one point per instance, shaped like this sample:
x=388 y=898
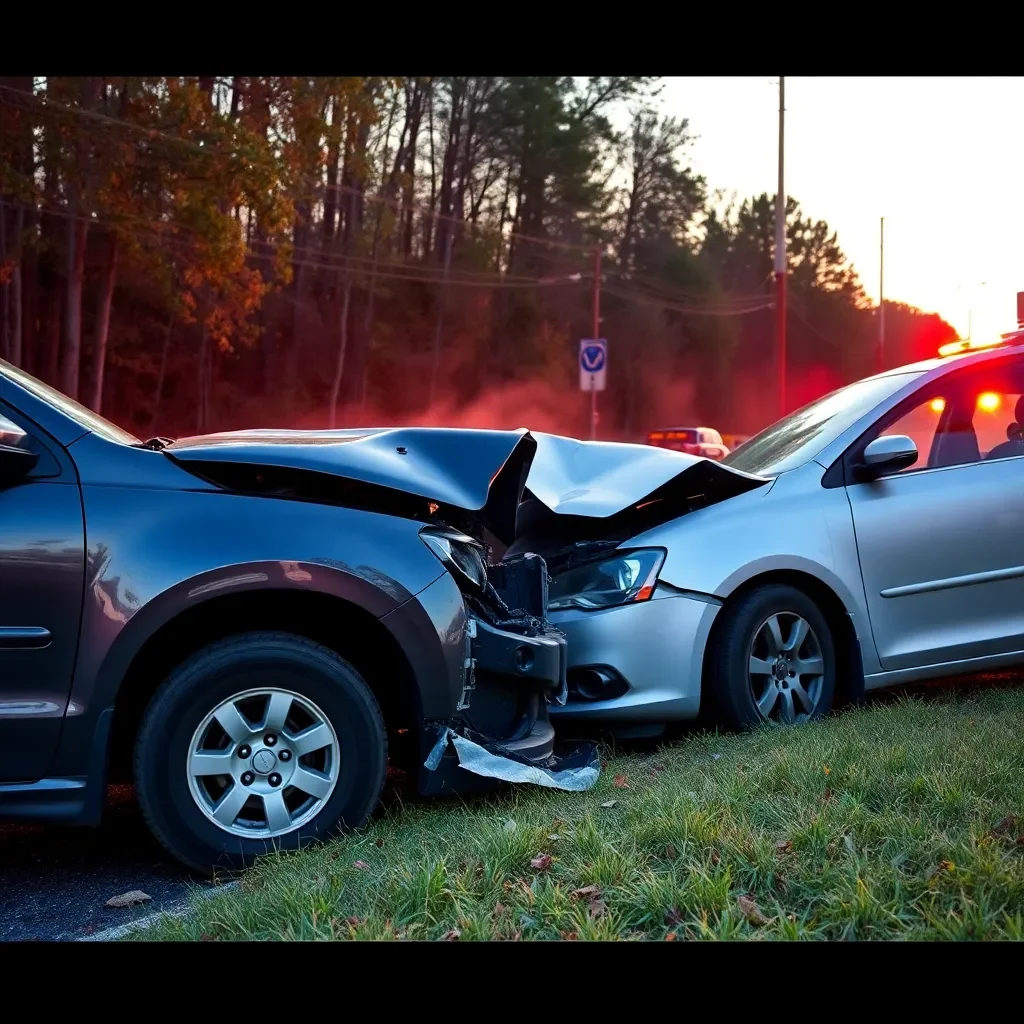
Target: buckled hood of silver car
x=478 y=471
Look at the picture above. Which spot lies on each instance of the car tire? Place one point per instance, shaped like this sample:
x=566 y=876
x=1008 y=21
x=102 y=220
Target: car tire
x=292 y=795
x=743 y=663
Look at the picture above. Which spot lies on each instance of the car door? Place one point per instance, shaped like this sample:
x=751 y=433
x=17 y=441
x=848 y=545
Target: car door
x=42 y=556
x=941 y=543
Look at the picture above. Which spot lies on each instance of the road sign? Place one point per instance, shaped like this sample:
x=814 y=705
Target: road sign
x=593 y=364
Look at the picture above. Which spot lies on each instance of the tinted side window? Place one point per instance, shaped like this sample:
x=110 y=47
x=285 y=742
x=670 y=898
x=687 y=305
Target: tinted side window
x=966 y=418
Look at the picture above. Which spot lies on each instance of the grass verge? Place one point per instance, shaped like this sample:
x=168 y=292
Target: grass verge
x=900 y=821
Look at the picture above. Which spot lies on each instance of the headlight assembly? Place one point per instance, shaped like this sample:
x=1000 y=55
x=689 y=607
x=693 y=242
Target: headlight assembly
x=461 y=555
x=625 y=578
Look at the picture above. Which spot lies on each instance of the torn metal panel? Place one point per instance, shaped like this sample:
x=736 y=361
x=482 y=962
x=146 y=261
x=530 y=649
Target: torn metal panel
x=576 y=772
x=597 y=479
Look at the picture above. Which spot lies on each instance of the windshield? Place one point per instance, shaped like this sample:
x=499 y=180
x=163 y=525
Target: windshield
x=87 y=419
x=798 y=437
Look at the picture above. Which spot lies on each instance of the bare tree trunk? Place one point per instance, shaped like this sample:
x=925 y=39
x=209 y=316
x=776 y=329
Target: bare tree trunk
x=15 y=347
x=77 y=233
x=158 y=397
x=339 y=369
x=76 y=181
x=106 y=297
x=383 y=196
x=333 y=154
x=439 y=322
x=5 y=285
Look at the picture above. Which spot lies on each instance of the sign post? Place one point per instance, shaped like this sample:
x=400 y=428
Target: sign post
x=593 y=370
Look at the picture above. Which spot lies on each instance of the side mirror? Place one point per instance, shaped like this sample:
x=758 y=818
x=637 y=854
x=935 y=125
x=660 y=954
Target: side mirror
x=15 y=464
x=886 y=454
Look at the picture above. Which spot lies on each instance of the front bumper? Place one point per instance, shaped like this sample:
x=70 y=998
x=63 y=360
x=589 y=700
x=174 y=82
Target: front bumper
x=514 y=667
x=652 y=655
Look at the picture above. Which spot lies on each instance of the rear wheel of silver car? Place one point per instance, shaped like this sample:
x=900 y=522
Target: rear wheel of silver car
x=772 y=660
x=262 y=742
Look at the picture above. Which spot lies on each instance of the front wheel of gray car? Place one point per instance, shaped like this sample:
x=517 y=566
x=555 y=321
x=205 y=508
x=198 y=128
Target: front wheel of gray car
x=261 y=742
x=772 y=660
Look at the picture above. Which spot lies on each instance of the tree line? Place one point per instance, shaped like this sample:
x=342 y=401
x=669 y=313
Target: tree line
x=193 y=254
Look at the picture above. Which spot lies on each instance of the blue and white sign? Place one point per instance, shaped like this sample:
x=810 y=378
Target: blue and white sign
x=593 y=364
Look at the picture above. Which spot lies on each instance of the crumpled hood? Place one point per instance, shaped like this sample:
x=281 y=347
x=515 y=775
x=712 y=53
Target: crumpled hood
x=473 y=470
x=602 y=478
x=449 y=466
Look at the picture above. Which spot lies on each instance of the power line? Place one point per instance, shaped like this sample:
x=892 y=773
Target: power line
x=690 y=311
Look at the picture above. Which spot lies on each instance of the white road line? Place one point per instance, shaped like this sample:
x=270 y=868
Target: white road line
x=148 y=920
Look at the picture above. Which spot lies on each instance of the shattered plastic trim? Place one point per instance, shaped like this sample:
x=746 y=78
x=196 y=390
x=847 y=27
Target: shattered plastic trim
x=479 y=761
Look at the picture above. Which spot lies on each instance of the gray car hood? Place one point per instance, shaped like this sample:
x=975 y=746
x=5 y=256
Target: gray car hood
x=472 y=469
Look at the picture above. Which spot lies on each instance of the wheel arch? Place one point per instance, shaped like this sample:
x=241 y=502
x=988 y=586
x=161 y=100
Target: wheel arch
x=850 y=664
x=345 y=619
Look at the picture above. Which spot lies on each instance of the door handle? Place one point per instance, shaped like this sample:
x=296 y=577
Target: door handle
x=24 y=637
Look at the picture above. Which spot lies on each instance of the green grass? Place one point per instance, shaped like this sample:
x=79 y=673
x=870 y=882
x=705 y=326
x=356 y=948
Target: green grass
x=899 y=821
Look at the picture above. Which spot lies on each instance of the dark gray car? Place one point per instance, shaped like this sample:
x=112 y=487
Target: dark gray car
x=251 y=625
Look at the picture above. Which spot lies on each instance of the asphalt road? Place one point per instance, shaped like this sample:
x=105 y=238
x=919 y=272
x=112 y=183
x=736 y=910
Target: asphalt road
x=54 y=882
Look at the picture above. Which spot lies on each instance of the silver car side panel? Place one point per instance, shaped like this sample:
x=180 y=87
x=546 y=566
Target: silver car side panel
x=942 y=553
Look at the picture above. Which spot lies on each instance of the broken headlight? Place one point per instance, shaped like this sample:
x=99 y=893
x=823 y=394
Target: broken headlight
x=627 y=577
x=461 y=555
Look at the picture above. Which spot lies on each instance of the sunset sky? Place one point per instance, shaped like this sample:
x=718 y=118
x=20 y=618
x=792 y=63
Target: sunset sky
x=940 y=158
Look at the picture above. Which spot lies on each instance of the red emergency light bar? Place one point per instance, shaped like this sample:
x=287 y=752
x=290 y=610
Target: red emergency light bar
x=956 y=348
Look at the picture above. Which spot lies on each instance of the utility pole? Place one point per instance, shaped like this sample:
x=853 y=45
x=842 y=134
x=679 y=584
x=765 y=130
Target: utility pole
x=780 y=258
x=881 y=297
x=596 y=335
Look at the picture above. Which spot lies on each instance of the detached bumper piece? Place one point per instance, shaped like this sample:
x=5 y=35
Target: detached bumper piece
x=574 y=769
x=516 y=664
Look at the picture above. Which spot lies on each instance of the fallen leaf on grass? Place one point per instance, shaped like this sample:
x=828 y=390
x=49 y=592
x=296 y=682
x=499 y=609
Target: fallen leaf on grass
x=609 y=803
x=673 y=916
x=129 y=899
x=451 y=936
x=825 y=768
x=554 y=837
x=541 y=862
x=499 y=909
x=671 y=937
x=587 y=892
x=944 y=866
x=751 y=911
x=619 y=782
x=1004 y=826
x=361 y=865
x=569 y=936
x=784 y=846
x=355 y=922
x=380 y=843
x=598 y=909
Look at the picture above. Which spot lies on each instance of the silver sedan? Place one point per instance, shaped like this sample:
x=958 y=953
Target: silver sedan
x=872 y=538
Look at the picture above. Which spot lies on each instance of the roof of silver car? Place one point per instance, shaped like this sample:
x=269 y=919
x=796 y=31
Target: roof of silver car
x=959 y=351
